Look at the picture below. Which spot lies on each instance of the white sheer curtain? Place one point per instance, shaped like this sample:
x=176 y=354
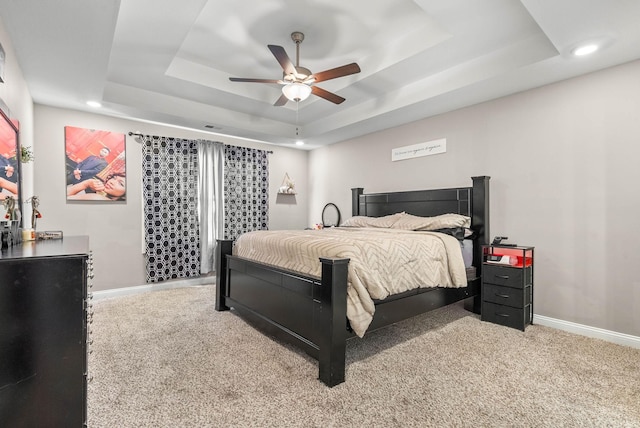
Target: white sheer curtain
x=210 y=200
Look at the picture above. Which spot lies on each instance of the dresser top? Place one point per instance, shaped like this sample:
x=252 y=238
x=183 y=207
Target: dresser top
x=67 y=246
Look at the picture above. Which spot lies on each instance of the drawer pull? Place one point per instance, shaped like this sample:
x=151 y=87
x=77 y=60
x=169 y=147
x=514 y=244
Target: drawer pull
x=502 y=315
x=504 y=296
x=502 y=276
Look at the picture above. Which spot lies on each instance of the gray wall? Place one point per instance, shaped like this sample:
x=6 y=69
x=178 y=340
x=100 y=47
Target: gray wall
x=564 y=165
x=115 y=229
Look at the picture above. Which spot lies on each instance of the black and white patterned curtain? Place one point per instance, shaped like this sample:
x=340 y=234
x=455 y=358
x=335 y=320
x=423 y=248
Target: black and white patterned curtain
x=246 y=194
x=170 y=192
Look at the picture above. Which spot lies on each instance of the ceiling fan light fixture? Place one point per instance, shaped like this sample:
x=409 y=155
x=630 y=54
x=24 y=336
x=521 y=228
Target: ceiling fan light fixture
x=296 y=91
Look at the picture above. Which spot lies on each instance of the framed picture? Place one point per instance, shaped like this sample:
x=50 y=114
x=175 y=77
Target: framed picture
x=95 y=165
x=10 y=188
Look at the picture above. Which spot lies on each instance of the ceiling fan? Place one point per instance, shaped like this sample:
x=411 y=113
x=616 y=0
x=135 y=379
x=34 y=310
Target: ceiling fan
x=299 y=81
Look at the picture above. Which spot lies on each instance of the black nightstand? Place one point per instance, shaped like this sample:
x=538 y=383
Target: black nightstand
x=507 y=285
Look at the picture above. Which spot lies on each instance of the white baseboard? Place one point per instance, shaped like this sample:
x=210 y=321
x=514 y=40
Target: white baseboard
x=585 y=330
x=165 y=285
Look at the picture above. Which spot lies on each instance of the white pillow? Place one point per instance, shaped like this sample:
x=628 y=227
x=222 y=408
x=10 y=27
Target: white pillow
x=362 y=221
x=444 y=221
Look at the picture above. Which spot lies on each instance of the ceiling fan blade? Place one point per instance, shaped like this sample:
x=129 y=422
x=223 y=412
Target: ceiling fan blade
x=345 y=70
x=329 y=96
x=283 y=58
x=242 y=79
x=281 y=101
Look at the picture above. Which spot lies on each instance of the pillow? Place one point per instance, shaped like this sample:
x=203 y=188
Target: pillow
x=363 y=221
x=357 y=221
x=444 y=221
x=460 y=233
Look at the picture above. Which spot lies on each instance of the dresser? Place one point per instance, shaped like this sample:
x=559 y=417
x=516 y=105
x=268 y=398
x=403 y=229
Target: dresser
x=507 y=285
x=43 y=333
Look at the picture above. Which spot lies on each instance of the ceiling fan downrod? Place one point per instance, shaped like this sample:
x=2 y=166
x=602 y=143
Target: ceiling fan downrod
x=297 y=38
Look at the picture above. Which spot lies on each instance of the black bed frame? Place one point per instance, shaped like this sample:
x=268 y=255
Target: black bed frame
x=310 y=312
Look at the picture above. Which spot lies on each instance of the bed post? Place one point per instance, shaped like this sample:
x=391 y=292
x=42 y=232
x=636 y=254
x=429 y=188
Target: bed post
x=333 y=317
x=480 y=222
x=222 y=249
x=355 y=200
x=480 y=215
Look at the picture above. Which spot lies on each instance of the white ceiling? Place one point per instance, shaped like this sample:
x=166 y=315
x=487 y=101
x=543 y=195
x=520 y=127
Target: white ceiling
x=169 y=62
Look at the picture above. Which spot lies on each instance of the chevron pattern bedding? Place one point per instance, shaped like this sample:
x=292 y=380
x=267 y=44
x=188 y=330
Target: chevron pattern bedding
x=382 y=261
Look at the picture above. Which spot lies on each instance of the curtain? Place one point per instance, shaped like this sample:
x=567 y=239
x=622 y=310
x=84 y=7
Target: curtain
x=246 y=194
x=170 y=192
x=210 y=200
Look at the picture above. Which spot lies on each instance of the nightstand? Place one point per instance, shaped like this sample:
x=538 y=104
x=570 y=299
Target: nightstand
x=507 y=285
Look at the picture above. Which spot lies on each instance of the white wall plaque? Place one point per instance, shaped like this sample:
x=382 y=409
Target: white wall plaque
x=417 y=150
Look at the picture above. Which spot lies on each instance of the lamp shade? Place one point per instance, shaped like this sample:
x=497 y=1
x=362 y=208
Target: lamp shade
x=296 y=91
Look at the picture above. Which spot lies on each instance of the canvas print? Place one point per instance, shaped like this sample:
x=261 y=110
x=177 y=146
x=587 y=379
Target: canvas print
x=95 y=165
x=9 y=161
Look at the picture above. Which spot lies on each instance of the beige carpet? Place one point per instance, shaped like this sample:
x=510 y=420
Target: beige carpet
x=167 y=359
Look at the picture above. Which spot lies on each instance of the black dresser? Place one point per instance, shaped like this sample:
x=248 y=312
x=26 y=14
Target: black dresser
x=43 y=333
x=507 y=285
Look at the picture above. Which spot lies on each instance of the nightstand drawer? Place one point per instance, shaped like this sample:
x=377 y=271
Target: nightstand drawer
x=514 y=297
x=506 y=315
x=506 y=276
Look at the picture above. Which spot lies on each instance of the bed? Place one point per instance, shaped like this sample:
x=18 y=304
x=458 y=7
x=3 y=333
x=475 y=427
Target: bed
x=310 y=311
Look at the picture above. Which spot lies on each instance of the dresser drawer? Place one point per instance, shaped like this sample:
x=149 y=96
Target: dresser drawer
x=515 y=297
x=506 y=276
x=506 y=315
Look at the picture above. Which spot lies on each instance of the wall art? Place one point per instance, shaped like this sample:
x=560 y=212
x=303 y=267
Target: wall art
x=10 y=171
x=95 y=165
x=417 y=150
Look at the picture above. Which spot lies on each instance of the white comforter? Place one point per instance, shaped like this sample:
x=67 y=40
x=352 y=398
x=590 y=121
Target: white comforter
x=382 y=261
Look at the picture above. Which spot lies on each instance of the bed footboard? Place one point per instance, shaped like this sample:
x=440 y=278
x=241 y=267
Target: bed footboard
x=308 y=312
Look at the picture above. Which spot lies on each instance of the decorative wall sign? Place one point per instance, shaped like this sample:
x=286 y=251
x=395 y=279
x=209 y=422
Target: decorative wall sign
x=417 y=150
x=96 y=167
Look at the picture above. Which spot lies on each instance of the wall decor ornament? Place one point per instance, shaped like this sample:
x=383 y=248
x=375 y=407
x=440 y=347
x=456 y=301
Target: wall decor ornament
x=95 y=165
x=429 y=148
x=35 y=213
x=288 y=186
x=26 y=154
x=12 y=212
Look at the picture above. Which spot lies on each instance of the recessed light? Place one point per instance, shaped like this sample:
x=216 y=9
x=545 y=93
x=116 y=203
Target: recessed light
x=299 y=143
x=585 y=50
x=94 y=104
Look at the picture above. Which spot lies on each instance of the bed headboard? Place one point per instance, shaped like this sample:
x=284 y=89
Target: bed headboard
x=470 y=201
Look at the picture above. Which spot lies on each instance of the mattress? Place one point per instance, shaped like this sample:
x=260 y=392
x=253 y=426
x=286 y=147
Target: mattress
x=383 y=262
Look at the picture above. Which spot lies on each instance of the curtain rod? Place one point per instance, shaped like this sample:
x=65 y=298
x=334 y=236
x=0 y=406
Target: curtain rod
x=137 y=134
